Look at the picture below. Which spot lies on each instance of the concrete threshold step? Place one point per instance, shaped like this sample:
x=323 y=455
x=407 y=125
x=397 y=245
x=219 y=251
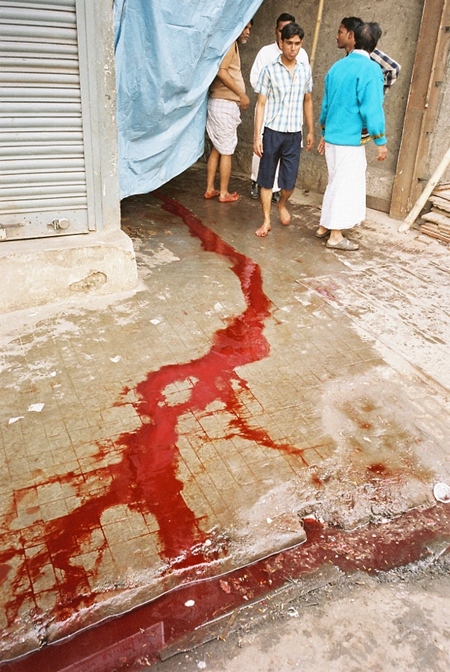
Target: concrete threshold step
x=197 y=612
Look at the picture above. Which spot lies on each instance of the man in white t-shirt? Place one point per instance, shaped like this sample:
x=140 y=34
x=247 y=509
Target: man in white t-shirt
x=265 y=56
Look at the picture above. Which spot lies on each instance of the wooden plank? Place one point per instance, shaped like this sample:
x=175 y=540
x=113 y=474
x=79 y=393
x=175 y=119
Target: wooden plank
x=441 y=203
x=435 y=234
x=426 y=193
x=441 y=193
x=436 y=218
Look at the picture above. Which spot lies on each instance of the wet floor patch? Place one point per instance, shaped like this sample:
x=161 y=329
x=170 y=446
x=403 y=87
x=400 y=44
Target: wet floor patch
x=205 y=610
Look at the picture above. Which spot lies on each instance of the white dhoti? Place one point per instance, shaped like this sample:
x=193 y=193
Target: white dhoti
x=222 y=120
x=344 y=201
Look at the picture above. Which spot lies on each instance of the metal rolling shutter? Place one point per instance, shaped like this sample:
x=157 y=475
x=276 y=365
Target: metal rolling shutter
x=42 y=161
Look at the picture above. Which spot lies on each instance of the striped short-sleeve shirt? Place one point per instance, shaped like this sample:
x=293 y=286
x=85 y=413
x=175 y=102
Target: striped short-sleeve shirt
x=285 y=94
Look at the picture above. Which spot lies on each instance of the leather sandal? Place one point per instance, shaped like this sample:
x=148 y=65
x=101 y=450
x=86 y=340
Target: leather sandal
x=344 y=244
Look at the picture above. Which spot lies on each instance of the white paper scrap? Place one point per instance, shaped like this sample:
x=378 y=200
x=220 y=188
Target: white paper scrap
x=35 y=408
x=13 y=420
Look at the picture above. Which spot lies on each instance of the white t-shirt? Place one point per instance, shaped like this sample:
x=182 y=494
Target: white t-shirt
x=269 y=54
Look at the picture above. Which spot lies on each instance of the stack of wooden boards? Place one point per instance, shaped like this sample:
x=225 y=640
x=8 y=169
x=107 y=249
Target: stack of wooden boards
x=437 y=222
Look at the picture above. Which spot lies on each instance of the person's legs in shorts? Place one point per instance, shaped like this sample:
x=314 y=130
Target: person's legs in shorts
x=289 y=163
x=266 y=175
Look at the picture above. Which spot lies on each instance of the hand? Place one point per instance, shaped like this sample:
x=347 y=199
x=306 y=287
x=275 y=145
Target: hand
x=381 y=152
x=258 y=147
x=321 y=146
x=244 y=101
x=309 y=141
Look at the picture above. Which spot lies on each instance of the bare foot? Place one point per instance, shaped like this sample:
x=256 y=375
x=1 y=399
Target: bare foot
x=211 y=194
x=335 y=240
x=263 y=230
x=322 y=232
x=229 y=198
x=285 y=217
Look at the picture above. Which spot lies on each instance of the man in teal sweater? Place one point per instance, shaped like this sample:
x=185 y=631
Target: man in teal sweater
x=353 y=100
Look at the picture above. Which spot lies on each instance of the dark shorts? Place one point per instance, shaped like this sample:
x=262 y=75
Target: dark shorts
x=282 y=147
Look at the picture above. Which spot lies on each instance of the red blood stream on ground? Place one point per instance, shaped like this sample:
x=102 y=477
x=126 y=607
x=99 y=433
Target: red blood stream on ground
x=146 y=480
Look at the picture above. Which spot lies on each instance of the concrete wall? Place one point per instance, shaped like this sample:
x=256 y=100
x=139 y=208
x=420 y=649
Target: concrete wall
x=400 y=22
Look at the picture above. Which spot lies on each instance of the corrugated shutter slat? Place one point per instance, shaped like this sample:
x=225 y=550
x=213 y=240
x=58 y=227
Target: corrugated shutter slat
x=42 y=161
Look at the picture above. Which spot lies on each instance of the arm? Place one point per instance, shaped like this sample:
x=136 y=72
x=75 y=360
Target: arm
x=371 y=108
x=322 y=119
x=309 y=118
x=259 y=121
x=228 y=81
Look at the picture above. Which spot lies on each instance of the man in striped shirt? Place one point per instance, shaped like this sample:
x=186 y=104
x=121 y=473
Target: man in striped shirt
x=284 y=99
x=265 y=56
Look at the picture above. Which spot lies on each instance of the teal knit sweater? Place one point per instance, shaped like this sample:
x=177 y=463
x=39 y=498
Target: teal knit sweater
x=353 y=100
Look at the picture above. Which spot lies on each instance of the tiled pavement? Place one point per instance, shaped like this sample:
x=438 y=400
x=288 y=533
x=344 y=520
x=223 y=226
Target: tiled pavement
x=184 y=429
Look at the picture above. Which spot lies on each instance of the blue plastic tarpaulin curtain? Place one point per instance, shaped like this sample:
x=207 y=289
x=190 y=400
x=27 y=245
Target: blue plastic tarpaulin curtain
x=167 y=54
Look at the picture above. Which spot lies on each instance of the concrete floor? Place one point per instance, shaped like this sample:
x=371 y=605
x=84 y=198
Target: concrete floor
x=358 y=623
x=185 y=429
